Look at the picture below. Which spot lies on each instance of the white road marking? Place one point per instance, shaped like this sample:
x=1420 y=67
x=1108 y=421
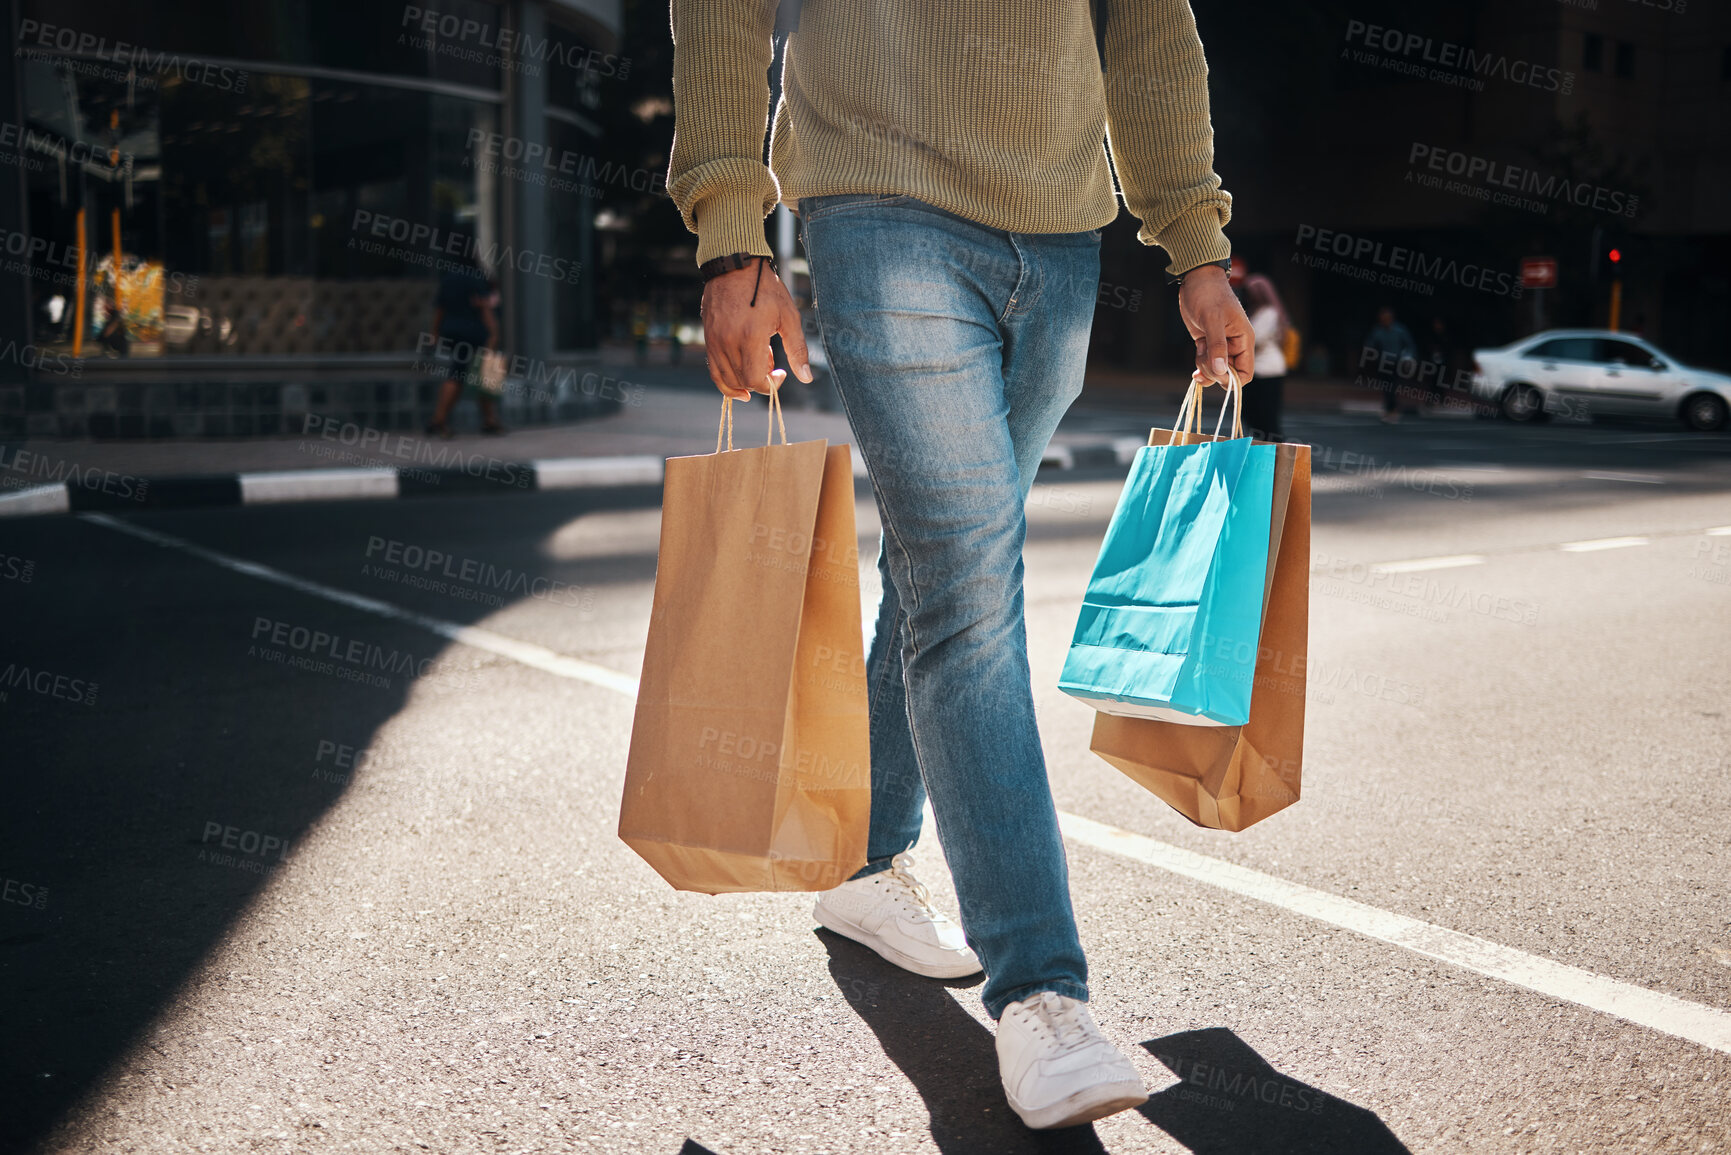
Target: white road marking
x=1641 y=478
x=1419 y=565
x=37 y=499
x=527 y=653
x=1706 y=1026
x=1602 y=543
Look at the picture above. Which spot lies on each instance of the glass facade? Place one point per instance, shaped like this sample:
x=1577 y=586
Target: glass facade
x=209 y=180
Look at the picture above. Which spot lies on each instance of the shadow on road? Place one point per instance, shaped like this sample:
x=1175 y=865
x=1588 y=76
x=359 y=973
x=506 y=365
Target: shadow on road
x=166 y=759
x=1232 y=1102
x=945 y=1053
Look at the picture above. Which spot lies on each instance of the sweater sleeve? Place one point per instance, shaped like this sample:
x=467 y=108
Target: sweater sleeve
x=721 y=58
x=1158 y=128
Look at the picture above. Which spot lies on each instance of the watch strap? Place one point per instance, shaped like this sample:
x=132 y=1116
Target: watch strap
x=732 y=263
x=1178 y=278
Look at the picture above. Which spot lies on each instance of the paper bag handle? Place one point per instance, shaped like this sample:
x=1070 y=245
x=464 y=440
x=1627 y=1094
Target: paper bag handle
x=1190 y=412
x=775 y=421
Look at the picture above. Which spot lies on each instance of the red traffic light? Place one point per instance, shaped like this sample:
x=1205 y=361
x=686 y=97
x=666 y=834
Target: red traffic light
x=1615 y=255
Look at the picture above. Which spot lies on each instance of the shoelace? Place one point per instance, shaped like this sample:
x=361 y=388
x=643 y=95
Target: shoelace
x=1065 y=1022
x=911 y=890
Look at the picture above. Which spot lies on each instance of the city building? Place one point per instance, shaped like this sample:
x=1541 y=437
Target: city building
x=219 y=218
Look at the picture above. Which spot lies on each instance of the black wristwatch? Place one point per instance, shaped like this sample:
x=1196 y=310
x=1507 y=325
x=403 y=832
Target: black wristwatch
x=732 y=263
x=1178 y=278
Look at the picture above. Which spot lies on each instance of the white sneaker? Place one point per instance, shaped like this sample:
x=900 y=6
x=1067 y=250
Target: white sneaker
x=893 y=914
x=1058 y=1070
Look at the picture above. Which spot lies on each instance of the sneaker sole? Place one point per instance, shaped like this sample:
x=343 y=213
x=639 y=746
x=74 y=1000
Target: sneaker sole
x=1084 y=1106
x=890 y=953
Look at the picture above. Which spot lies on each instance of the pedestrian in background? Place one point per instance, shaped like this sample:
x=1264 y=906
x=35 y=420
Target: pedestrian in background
x=1439 y=361
x=466 y=325
x=934 y=242
x=1397 y=357
x=1264 y=401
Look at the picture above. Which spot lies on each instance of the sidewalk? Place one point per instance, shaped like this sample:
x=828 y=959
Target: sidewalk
x=671 y=412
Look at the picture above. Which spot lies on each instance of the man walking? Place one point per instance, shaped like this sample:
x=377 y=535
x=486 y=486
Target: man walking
x=1389 y=343
x=948 y=162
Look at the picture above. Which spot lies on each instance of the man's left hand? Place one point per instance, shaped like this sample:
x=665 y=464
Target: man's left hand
x=1217 y=324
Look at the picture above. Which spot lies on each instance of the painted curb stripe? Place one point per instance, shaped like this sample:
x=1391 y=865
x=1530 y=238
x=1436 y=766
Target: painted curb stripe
x=317 y=485
x=596 y=472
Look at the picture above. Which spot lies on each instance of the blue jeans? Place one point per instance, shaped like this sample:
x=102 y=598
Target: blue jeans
x=956 y=348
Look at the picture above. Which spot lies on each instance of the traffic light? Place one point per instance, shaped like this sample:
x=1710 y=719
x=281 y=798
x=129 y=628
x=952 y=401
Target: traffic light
x=1614 y=268
x=1613 y=260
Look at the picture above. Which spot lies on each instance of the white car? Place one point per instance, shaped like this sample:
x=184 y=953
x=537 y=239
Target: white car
x=1590 y=372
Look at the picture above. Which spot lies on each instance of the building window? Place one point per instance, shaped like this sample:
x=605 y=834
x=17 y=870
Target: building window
x=1625 y=59
x=1593 y=53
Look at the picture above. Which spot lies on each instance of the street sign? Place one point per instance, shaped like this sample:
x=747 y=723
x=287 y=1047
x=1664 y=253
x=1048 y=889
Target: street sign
x=1538 y=272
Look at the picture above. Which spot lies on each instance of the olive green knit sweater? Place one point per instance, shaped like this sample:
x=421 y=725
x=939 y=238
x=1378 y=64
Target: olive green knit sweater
x=992 y=109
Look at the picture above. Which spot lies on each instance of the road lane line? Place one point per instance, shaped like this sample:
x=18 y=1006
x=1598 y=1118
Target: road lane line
x=38 y=499
x=1602 y=543
x=1638 y=478
x=1416 y=565
x=527 y=653
x=1420 y=565
x=1667 y=1014
x=1706 y=1026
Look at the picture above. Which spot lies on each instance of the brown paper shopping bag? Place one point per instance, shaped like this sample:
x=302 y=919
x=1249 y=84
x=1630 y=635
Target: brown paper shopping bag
x=1228 y=777
x=750 y=760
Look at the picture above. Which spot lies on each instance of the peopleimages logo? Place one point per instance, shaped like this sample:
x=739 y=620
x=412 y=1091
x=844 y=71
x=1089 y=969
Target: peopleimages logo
x=1396 y=266
x=1412 y=53
x=14 y=135
x=33 y=34
x=507 y=40
x=1495 y=176
x=539 y=163
x=429 y=240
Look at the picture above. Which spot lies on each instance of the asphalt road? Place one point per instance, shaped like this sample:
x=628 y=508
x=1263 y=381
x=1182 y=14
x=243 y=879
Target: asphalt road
x=252 y=907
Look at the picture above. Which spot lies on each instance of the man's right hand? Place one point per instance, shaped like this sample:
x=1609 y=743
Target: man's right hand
x=736 y=333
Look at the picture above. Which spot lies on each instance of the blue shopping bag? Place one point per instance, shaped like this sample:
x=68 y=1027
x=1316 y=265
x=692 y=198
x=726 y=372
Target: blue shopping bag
x=1172 y=619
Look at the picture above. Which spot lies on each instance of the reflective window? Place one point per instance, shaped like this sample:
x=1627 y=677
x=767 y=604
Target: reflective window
x=1617 y=352
x=188 y=213
x=458 y=41
x=1562 y=349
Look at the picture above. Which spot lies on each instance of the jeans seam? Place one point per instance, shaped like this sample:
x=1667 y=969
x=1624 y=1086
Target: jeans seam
x=889 y=527
x=1014 y=304
x=890 y=535
x=883 y=199
x=938 y=820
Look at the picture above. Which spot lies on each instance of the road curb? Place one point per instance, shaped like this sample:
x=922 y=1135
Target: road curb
x=95 y=491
